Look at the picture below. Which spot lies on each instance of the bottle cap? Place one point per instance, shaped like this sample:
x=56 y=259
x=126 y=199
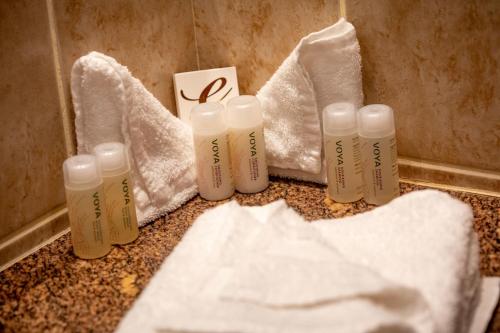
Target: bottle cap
x=339 y=117
x=81 y=170
x=112 y=157
x=375 y=120
x=208 y=118
x=244 y=111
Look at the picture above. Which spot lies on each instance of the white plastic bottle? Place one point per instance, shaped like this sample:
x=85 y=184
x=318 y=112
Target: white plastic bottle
x=343 y=161
x=86 y=209
x=378 y=153
x=118 y=192
x=210 y=135
x=246 y=144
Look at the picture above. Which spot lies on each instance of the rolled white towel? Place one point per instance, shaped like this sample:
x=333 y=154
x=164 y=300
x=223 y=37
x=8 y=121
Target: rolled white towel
x=324 y=68
x=111 y=105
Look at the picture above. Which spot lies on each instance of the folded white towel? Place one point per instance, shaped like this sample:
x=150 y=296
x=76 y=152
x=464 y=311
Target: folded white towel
x=264 y=269
x=324 y=68
x=423 y=240
x=111 y=105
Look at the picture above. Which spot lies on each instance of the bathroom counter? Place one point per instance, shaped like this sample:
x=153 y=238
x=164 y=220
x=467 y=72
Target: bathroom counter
x=53 y=290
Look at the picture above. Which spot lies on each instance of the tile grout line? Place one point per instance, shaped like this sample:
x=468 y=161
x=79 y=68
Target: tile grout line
x=34 y=249
x=448 y=168
x=194 y=35
x=342 y=9
x=42 y=222
x=56 y=55
x=450 y=187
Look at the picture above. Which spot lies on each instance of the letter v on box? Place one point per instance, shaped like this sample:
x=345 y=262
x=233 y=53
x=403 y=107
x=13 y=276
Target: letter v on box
x=210 y=85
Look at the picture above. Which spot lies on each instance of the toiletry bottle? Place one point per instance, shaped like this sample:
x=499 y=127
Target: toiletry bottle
x=246 y=144
x=86 y=209
x=378 y=153
x=210 y=136
x=342 y=154
x=113 y=161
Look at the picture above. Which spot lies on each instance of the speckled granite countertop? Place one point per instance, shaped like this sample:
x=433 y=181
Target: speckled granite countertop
x=52 y=290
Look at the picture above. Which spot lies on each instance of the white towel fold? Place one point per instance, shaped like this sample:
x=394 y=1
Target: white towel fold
x=410 y=266
x=324 y=68
x=423 y=240
x=111 y=105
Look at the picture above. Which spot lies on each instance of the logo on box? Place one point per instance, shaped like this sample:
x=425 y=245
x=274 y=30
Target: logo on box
x=211 y=85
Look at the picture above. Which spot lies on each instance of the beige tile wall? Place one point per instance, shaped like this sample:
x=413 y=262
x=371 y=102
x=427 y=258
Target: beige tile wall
x=31 y=133
x=435 y=62
x=154 y=38
x=256 y=36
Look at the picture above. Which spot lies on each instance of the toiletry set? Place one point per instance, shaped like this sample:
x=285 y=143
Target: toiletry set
x=360 y=152
x=230 y=154
x=100 y=200
x=229 y=147
x=268 y=255
x=218 y=148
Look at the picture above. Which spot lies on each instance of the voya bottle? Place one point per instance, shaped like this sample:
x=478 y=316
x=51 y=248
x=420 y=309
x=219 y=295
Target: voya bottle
x=210 y=136
x=378 y=153
x=86 y=209
x=118 y=192
x=342 y=154
x=246 y=144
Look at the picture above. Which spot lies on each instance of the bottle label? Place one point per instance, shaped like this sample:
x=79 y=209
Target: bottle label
x=248 y=158
x=87 y=215
x=380 y=169
x=212 y=163
x=120 y=208
x=343 y=162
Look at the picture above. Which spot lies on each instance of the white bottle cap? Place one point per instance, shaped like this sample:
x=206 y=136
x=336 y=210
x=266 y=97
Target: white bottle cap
x=81 y=170
x=339 y=118
x=244 y=111
x=208 y=118
x=376 y=120
x=112 y=157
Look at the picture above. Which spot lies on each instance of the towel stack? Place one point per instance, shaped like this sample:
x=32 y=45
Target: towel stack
x=410 y=266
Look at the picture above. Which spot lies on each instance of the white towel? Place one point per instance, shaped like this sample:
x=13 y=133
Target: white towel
x=423 y=240
x=111 y=105
x=264 y=269
x=324 y=68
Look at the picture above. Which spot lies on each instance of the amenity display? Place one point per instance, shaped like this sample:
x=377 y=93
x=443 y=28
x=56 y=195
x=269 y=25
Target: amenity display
x=265 y=268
